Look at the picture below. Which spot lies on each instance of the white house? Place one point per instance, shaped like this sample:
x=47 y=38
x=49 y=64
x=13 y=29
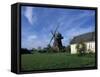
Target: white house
x=89 y=40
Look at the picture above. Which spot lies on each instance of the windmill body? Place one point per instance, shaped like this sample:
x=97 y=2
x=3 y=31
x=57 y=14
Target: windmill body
x=57 y=44
x=57 y=37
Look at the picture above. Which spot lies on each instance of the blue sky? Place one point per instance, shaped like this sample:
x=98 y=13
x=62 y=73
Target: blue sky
x=37 y=24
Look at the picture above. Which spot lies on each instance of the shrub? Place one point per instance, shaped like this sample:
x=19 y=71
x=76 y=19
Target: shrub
x=25 y=51
x=81 y=48
x=68 y=50
x=90 y=52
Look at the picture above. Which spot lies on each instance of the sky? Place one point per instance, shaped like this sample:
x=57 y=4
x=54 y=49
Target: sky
x=38 y=22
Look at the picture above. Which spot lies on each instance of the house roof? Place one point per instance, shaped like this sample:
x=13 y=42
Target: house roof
x=87 y=37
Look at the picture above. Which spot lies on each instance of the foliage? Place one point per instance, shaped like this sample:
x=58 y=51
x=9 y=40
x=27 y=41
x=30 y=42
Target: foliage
x=34 y=50
x=90 y=51
x=81 y=48
x=50 y=49
x=63 y=49
x=25 y=51
x=68 y=50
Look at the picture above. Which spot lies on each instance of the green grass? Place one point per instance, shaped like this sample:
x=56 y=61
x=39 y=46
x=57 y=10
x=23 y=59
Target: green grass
x=42 y=61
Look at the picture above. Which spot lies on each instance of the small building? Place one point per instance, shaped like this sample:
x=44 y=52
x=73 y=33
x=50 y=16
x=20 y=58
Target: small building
x=89 y=40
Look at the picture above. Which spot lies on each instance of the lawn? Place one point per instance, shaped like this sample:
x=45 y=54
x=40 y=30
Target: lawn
x=41 y=61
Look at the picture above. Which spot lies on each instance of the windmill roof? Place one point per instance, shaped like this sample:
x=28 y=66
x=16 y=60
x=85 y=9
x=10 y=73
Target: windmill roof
x=87 y=37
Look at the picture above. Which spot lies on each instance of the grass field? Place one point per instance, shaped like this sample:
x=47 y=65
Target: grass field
x=42 y=61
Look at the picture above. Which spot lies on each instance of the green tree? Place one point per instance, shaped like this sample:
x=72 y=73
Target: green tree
x=68 y=50
x=81 y=47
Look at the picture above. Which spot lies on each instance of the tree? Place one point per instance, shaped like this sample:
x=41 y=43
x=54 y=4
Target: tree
x=68 y=49
x=34 y=50
x=81 y=47
x=25 y=51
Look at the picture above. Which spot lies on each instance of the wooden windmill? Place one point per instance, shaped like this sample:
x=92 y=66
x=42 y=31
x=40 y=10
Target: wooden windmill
x=57 y=37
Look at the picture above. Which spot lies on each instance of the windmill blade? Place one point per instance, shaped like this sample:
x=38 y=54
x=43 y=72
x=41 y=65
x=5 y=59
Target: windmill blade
x=56 y=28
x=51 y=40
x=53 y=34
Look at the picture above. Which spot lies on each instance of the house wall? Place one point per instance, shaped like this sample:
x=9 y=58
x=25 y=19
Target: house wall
x=73 y=49
x=89 y=45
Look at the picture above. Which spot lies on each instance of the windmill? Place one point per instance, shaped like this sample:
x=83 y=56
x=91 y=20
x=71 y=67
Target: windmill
x=56 y=36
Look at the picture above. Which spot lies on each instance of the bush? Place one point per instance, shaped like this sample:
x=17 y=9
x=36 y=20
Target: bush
x=90 y=52
x=25 y=51
x=81 y=48
x=42 y=51
x=68 y=50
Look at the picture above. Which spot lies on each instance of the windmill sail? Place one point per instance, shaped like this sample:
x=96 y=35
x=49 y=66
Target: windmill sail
x=54 y=34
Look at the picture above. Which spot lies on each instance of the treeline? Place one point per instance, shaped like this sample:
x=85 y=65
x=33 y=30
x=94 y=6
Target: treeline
x=25 y=51
x=44 y=50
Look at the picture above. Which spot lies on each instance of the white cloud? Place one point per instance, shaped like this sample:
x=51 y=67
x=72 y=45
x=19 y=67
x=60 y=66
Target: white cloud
x=32 y=37
x=29 y=15
x=33 y=41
